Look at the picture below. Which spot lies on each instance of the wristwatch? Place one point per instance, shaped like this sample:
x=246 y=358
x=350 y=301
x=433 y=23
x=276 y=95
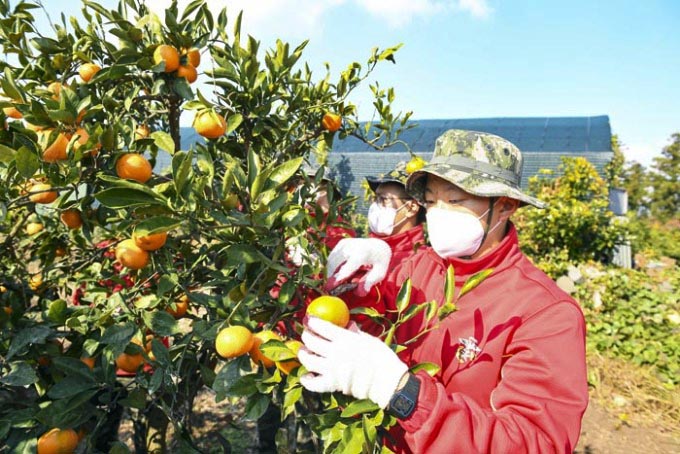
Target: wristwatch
x=405 y=400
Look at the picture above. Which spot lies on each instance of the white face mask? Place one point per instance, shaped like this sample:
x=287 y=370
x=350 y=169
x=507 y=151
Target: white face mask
x=381 y=219
x=455 y=233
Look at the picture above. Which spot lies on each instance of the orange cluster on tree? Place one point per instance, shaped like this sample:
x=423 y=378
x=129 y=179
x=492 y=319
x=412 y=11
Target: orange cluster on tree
x=183 y=65
x=133 y=252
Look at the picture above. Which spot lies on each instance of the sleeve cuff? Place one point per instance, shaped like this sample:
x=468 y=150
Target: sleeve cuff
x=426 y=401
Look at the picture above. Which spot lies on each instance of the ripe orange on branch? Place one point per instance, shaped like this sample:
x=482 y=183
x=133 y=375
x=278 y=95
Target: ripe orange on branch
x=58 y=441
x=193 y=57
x=234 y=341
x=131 y=255
x=210 y=124
x=167 y=54
x=40 y=193
x=287 y=366
x=181 y=307
x=133 y=166
x=88 y=70
x=256 y=354
x=71 y=218
x=331 y=122
x=12 y=112
x=130 y=362
x=188 y=72
x=150 y=242
x=331 y=309
x=56 y=150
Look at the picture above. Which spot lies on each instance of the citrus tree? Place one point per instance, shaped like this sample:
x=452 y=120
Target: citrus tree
x=118 y=272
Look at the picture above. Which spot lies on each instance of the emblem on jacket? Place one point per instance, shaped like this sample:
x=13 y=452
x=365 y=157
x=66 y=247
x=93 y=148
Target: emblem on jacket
x=467 y=350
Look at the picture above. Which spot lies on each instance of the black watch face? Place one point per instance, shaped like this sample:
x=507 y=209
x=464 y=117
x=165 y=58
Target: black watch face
x=402 y=405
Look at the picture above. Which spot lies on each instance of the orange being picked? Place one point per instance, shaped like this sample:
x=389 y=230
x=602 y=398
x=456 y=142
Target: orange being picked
x=181 y=307
x=210 y=124
x=150 y=242
x=88 y=70
x=234 y=341
x=331 y=122
x=188 y=72
x=133 y=166
x=40 y=193
x=167 y=54
x=131 y=255
x=286 y=366
x=329 y=308
x=259 y=339
x=71 y=218
x=58 y=441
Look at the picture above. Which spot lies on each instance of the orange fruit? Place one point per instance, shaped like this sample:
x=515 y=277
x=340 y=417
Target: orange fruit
x=234 y=341
x=142 y=132
x=167 y=54
x=131 y=255
x=331 y=122
x=133 y=166
x=60 y=251
x=35 y=282
x=210 y=124
x=34 y=227
x=82 y=136
x=58 y=441
x=259 y=339
x=55 y=151
x=329 y=308
x=40 y=193
x=71 y=218
x=88 y=361
x=288 y=365
x=12 y=112
x=194 y=57
x=88 y=70
x=150 y=242
x=416 y=163
x=188 y=72
x=181 y=307
x=130 y=362
x=55 y=88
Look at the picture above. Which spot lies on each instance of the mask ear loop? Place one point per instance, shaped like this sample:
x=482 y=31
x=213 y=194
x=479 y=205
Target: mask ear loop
x=492 y=203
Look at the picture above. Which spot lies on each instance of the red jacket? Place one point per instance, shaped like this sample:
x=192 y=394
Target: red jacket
x=403 y=245
x=512 y=358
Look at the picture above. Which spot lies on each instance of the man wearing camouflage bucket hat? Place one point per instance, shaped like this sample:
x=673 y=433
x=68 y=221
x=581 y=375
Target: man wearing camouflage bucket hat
x=510 y=359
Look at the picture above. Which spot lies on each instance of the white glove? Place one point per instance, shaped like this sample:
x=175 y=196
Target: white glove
x=350 y=361
x=350 y=254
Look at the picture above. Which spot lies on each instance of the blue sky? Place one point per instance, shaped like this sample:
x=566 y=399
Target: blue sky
x=489 y=58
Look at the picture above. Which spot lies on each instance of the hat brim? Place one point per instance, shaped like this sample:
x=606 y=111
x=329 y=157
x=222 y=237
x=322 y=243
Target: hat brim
x=474 y=184
x=374 y=182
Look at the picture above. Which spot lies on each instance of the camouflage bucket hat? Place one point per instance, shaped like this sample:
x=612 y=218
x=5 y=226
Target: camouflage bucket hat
x=397 y=175
x=479 y=163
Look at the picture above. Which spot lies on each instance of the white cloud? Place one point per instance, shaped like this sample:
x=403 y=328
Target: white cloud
x=477 y=8
x=644 y=152
x=400 y=12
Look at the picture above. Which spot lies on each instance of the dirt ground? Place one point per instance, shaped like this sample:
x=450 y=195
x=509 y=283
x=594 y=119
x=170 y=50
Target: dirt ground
x=602 y=432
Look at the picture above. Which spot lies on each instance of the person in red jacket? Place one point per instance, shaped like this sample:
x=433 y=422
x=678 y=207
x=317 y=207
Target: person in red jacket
x=511 y=363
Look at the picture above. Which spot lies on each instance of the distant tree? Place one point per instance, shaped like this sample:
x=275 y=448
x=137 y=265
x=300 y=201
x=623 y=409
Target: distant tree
x=614 y=170
x=635 y=181
x=665 y=180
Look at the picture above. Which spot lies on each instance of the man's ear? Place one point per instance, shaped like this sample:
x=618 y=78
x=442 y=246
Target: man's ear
x=507 y=207
x=412 y=208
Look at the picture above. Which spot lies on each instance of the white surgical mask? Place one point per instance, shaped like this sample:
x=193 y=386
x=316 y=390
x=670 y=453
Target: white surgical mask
x=455 y=233
x=381 y=219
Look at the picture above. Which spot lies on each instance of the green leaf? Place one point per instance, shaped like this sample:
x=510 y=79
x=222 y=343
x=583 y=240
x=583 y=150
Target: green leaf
x=57 y=311
x=430 y=368
x=127 y=197
x=254 y=168
x=449 y=285
x=181 y=170
x=161 y=323
x=156 y=224
x=233 y=122
x=71 y=386
x=21 y=374
x=412 y=311
x=404 y=296
x=256 y=406
x=282 y=173
x=242 y=253
x=446 y=309
x=9 y=87
x=277 y=350
x=164 y=141
x=27 y=162
x=118 y=334
x=72 y=366
x=474 y=281
x=33 y=335
x=290 y=399
x=6 y=154
x=359 y=406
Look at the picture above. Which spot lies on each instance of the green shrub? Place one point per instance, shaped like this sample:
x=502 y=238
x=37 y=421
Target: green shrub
x=631 y=316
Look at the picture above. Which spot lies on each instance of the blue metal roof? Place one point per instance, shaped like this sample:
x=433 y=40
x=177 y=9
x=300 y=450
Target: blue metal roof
x=530 y=134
